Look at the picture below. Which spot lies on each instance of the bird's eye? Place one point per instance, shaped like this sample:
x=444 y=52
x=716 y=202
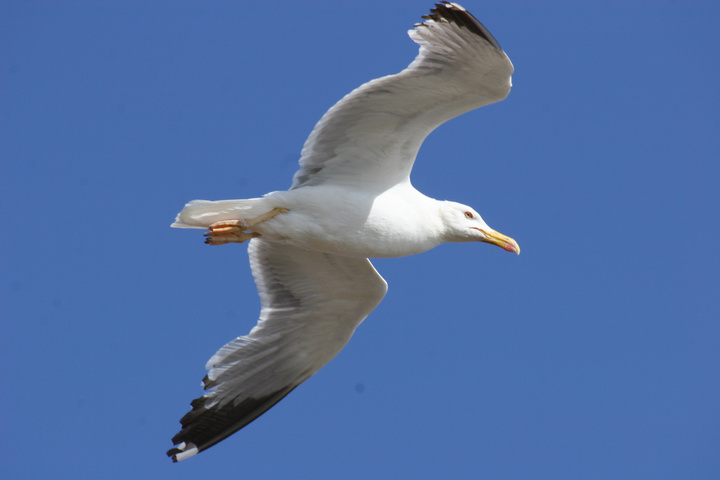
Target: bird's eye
x=469 y=215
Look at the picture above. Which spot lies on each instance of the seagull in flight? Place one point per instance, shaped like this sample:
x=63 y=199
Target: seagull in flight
x=350 y=200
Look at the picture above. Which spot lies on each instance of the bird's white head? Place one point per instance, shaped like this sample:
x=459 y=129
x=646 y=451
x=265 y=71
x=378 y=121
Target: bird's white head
x=463 y=224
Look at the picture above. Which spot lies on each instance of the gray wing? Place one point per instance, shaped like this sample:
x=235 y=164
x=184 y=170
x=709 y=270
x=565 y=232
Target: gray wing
x=371 y=137
x=311 y=304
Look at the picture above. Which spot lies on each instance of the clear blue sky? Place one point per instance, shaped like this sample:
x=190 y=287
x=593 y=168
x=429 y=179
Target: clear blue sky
x=593 y=355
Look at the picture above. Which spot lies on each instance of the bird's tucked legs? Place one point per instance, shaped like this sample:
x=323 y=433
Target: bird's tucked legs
x=238 y=231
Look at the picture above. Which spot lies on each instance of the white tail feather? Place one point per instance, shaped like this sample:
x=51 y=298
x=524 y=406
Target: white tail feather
x=203 y=213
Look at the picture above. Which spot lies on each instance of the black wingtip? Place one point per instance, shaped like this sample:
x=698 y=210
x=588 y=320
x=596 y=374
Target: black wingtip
x=454 y=13
x=203 y=426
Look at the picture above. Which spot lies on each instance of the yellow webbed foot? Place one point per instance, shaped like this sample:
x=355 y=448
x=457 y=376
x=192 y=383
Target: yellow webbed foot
x=238 y=231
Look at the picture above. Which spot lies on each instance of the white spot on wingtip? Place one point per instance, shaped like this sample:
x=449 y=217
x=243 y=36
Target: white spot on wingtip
x=188 y=450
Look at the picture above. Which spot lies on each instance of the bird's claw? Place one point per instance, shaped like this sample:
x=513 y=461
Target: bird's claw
x=237 y=231
x=228 y=232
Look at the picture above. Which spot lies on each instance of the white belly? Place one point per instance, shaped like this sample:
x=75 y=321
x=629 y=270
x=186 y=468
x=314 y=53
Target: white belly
x=335 y=220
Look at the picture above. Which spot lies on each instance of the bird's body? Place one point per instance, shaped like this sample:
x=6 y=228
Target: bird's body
x=351 y=200
x=358 y=232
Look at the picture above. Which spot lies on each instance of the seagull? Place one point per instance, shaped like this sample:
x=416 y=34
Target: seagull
x=350 y=200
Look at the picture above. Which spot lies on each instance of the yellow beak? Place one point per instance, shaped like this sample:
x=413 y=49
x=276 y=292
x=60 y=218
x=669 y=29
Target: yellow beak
x=502 y=241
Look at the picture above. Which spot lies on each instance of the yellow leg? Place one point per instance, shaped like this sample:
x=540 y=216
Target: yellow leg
x=238 y=231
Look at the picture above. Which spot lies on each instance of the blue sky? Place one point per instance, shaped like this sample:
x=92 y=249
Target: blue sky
x=593 y=355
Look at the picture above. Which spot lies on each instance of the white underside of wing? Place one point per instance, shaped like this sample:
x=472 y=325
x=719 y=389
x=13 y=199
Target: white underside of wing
x=371 y=137
x=311 y=304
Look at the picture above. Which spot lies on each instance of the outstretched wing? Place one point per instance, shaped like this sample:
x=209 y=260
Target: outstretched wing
x=311 y=304
x=370 y=138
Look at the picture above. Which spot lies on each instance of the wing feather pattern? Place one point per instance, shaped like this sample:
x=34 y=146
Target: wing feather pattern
x=311 y=303
x=371 y=137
